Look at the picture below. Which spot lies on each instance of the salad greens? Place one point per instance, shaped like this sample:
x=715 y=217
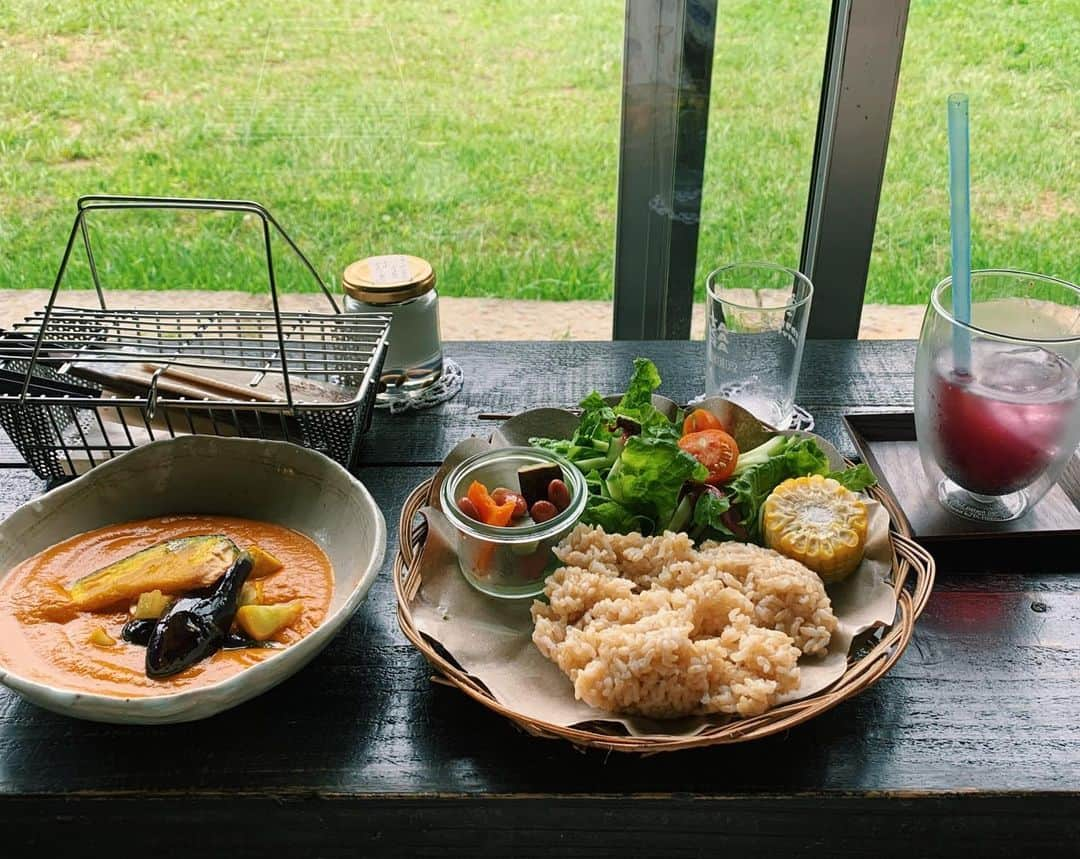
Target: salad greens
x=639 y=479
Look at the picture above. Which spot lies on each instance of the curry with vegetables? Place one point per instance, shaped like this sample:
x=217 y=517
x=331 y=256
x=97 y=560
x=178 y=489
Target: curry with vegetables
x=160 y=605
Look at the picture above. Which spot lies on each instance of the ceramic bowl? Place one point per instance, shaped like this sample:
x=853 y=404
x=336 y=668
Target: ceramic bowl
x=266 y=480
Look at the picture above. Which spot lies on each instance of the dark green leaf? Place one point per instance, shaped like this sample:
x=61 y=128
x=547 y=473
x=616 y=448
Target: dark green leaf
x=709 y=515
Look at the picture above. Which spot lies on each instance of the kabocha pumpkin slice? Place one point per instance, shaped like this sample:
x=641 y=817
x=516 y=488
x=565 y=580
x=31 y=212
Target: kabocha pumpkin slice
x=172 y=567
x=817 y=522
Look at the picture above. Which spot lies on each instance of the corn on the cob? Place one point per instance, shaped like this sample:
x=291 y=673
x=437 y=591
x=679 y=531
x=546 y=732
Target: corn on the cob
x=818 y=522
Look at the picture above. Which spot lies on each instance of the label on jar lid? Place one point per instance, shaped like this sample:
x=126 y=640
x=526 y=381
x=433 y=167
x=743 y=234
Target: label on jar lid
x=392 y=268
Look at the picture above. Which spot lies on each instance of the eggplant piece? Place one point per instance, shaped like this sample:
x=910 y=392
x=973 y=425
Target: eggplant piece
x=534 y=480
x=175 y=566
x=236 y=641
x=139 y=632
x=196 y=627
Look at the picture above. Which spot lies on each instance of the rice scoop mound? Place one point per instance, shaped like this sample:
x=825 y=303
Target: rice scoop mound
x=653 y=626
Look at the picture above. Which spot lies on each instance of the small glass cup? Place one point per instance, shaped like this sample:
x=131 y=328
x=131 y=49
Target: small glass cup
x=756 y=315
x=511 y=562
x=997 y=401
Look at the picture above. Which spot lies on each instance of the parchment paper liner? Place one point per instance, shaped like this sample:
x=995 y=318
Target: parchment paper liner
x=491 y=639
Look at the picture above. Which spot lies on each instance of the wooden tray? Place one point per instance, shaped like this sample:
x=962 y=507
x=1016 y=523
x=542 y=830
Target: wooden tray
x=1045 y=536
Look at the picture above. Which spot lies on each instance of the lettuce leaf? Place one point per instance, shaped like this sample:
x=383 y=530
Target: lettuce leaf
x=613 y=517
x=709 y=516
x=638 y=396
x=636 y=403
x=857 y=478
x=796 y=457
x=649 y=475
x=591 y=445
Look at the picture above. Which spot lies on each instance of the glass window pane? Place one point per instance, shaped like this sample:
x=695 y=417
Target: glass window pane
x=480 y=134
x=766 y=88
x=1019 y=63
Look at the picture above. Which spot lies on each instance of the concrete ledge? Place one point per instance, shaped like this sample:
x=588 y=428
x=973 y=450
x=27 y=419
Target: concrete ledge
x=461 y=318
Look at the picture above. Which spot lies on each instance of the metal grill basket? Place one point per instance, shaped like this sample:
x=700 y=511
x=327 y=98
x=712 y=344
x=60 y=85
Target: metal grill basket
x=68 y=401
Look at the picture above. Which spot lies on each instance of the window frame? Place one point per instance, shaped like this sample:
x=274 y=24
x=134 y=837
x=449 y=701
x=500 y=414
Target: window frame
x=667 y=74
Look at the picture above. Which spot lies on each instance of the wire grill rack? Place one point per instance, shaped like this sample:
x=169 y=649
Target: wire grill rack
x=64 y=411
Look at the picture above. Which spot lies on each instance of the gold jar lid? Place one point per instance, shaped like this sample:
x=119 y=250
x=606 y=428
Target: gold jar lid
x=388 y=279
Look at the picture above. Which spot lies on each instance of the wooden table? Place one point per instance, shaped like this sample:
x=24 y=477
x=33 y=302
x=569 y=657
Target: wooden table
x=970 y=740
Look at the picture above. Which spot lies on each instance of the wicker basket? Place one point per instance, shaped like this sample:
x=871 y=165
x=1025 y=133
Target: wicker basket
x=913 y=578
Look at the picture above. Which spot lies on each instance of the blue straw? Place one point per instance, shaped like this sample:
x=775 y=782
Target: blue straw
x=960 y=223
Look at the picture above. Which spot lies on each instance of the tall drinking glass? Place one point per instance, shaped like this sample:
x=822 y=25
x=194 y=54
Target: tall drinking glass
x=756 y=316
x=997 y=401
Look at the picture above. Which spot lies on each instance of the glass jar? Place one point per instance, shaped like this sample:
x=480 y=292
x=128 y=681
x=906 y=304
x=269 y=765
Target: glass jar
x=512 y=561
x=404 y=287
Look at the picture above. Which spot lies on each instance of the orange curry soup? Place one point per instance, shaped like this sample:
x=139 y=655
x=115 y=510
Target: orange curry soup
x=43 y=638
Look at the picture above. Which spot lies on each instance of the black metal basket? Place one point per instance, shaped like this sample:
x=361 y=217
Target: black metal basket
x=59 y=367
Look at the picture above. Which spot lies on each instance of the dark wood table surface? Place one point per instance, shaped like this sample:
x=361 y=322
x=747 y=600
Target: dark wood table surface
x=970 y=743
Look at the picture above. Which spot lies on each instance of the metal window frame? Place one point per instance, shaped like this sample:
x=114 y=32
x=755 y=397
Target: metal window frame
x=858 y=93
x=667 y=76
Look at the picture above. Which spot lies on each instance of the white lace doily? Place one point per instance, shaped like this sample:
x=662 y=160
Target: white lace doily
x=445 y=388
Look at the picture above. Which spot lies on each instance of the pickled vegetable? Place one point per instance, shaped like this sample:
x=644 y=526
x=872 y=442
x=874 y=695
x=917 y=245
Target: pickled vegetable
x=543 y=511
x=818 y=522
x=175 y=566
x=468 y=508
x=265 y=621
x=535 y=479
x=490 y=512
x=558 y=493
x=503 y=495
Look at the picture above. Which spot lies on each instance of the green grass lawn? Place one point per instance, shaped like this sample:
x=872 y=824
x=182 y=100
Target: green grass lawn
x=482 y=134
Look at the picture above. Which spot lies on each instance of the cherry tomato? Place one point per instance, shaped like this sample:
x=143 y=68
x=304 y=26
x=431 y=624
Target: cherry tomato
x=714 y=449
x=699 y=420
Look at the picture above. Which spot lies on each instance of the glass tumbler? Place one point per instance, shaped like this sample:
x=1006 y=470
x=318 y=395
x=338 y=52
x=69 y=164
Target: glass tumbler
x=756 y=315
x=997 y=405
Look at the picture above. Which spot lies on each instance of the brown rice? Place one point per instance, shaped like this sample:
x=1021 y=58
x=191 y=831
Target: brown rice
x=656 y=627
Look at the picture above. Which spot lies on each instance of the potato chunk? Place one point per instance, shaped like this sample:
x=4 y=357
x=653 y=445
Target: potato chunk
x=265 y=563
x=152 y=605
x=262 y=622
x=101 y=638
x=251 y=593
